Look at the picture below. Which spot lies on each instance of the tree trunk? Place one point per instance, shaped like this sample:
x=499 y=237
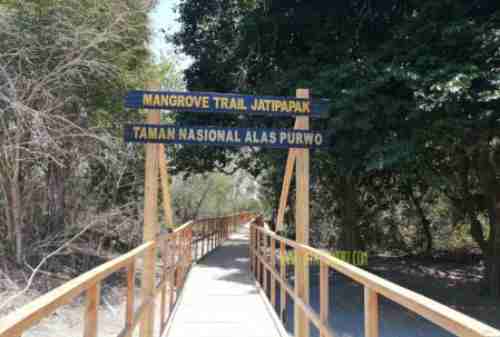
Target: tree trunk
x=424 y=222
x=16 y=220
x=350 y=238
x=491 y=189
x=55 y=198
x=477 y=233
x=493 y=259
x=8 y=212
x=426 y=226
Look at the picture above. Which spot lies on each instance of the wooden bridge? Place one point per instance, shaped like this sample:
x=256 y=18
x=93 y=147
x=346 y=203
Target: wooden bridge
x=227 y=277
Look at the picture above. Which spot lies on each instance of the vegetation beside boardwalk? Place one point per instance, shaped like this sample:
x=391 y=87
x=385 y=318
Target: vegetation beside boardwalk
x=65 y=172
x=415 y=94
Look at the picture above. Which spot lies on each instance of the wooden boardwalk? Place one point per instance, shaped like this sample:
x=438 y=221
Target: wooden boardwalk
x=221 y=299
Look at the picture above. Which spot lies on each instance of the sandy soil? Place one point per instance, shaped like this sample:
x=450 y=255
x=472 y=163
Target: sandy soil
x=67 y=321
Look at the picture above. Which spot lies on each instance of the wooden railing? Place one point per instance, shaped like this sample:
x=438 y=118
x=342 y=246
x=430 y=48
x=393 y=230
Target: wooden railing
x=268 y=249
x=176 y=250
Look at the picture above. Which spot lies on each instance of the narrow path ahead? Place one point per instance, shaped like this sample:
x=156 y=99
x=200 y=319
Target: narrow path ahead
x=220 y=298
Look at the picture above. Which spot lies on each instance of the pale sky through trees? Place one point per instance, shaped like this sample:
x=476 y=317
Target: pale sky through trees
x=164 y=17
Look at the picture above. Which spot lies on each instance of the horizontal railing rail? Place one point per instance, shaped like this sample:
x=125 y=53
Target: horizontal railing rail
x=176 y=250
x=266 y=248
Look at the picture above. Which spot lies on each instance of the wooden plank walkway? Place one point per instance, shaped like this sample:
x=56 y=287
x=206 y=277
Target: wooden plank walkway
x=221 y=298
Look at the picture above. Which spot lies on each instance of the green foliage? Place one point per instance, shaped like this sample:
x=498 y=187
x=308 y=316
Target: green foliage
x=415 y=97
x=212 y=194
x=64 y=68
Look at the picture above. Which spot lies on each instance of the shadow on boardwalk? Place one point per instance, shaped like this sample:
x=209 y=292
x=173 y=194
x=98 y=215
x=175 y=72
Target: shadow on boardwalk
x=223 y=278
x=233 y=259
x=220 y=298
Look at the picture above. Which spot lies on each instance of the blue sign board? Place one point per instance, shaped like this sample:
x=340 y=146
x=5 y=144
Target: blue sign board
x=218 y=136
x=227 y=103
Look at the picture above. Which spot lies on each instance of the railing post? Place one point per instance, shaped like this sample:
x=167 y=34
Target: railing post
x=324 y=295
x=250 y=249
x=162 y=306
x=257 y=252
x=283 y=277
x=204 y=242
x=171 y=274
x=178 y=261
x=190 y=245
x=302 y=292
x=195 y=243
x=212 y=246
x=212 y=238
x=264 y=269
x=252 y=231
x=207 y=238
x=129 y=314
x=182 y=242
x=371 y=313
x=147 y=291
x=187 y=253
x=273 y=268
x=217 y=236
x=91 y=306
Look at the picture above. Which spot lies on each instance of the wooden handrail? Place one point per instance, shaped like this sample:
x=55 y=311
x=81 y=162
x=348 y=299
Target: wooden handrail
x=179 y=255
x=24 y=318
x=444 y=316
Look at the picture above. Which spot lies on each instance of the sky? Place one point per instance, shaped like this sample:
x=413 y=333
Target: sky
x=165 y=17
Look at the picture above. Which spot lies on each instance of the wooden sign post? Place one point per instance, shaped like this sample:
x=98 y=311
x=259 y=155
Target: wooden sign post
x=302 y=226
x=155 y=167
x=151 y=228
x=298 y=141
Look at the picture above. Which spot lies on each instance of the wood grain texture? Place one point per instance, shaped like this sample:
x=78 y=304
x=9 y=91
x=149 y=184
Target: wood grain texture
x=272 y=260
x=302 y=225
x=265 y=249
x=285 y=189
x=90 y=319
x=151 y=228
x=283 y=280
x=371 y=313
x=324 y=295
x=165 y=187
